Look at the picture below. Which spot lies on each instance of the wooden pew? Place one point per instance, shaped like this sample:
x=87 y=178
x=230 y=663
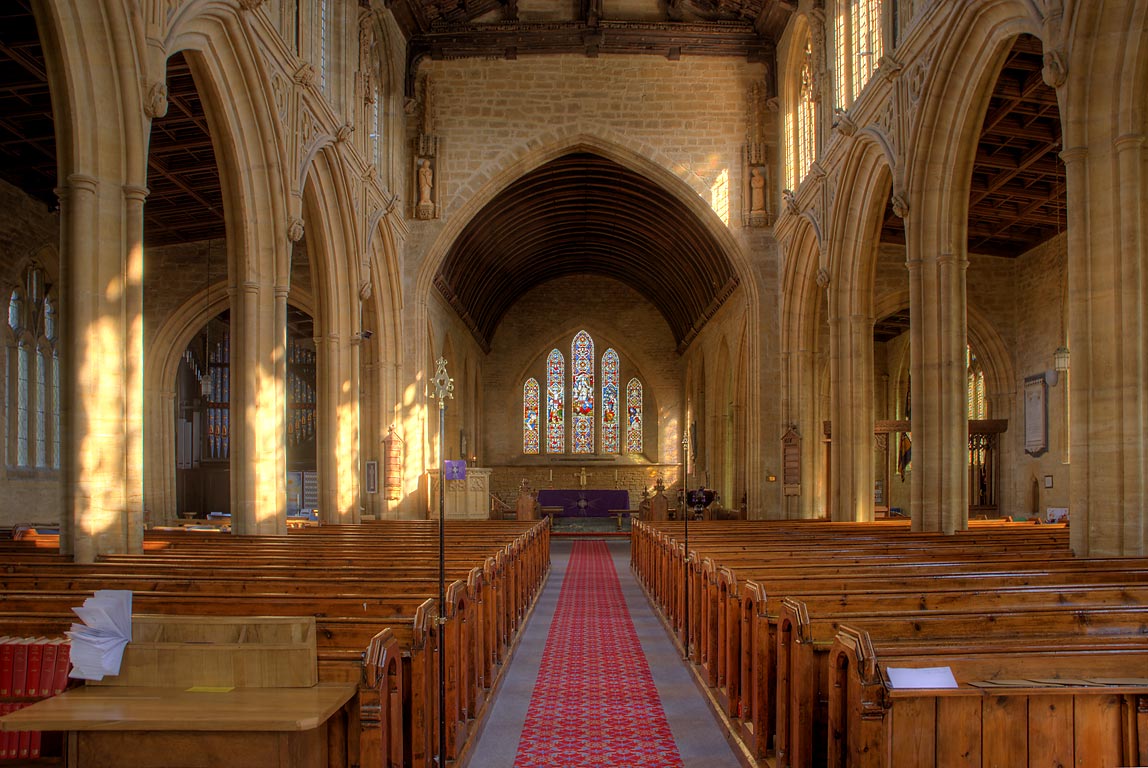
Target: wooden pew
x=734 y=618
x=1080 y=706
x=399 y=665
x=804 y=642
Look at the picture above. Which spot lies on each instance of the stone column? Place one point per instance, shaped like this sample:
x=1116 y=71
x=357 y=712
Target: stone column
x=337 y=444
x=102 y=323
x=1107 y=237
x=937 y=340
x=258 y=410
x=851 y=373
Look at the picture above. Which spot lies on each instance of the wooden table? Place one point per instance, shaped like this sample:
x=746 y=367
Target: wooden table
x=138 y=727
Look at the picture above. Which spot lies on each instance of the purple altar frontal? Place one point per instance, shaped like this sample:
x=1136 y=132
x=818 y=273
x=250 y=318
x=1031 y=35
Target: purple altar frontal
x=585 y=503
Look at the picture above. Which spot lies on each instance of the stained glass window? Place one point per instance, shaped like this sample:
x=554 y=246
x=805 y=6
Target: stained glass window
x=610 y=431
x=530 y=416
x=41 y=413
x=555 y=402
x=634 y=416
x=976 y=385
x=582 y=392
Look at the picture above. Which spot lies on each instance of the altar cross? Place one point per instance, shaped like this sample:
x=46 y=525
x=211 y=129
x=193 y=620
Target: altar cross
x=582 y=476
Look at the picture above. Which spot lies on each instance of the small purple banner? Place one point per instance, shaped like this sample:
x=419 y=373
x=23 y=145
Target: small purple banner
x=455 y=470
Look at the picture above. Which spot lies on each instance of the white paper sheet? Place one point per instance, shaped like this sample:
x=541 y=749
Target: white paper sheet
x=924 y=677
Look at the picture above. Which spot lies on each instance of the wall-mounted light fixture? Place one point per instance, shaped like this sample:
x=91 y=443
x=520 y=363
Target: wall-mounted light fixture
x=1060 y=359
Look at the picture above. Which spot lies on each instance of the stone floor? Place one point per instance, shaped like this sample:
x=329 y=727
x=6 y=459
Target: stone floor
x=699 y=738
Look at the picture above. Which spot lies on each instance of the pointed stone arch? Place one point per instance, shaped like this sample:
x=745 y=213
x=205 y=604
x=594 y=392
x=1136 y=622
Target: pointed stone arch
x=803 y=317
x=333 y=247
x=862 y=197
x=653 y=165
x=942 y=147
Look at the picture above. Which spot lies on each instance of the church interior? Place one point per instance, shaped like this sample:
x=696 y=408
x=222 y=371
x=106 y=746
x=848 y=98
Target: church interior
x=313 y=265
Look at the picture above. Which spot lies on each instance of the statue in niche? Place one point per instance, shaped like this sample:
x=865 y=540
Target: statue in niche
x=757 y=190
x=424 y=208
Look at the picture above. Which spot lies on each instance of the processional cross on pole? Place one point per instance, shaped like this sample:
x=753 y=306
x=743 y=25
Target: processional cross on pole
x=443 y=389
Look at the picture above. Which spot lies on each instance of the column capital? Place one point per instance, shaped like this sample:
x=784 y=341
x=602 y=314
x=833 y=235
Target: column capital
x=1128 y=141
x=135 y=193
x=78 y=182
x=1073 y=155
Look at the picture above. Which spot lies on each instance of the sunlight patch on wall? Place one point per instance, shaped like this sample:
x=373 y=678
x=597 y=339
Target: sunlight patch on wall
x=719 y=196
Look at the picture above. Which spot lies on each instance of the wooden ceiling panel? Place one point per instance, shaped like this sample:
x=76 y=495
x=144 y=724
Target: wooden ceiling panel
x=1017 y=191
x=585 y=214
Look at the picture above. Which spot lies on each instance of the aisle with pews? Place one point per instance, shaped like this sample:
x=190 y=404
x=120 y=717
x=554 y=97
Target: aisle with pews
x=1016 y=652
x=595 y=679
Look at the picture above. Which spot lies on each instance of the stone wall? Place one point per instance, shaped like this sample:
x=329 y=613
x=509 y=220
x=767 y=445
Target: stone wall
x=28 y=230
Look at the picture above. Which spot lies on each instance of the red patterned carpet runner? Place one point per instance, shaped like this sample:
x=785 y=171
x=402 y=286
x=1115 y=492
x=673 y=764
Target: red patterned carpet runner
x=595 y=703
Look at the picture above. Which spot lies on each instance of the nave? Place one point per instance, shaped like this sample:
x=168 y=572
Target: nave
x=675 y=728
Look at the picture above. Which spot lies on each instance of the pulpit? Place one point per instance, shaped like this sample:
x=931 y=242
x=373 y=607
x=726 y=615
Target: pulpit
x=466 y=499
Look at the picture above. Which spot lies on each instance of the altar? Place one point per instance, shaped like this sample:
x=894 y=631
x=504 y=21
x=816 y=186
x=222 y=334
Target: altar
x=585 y=502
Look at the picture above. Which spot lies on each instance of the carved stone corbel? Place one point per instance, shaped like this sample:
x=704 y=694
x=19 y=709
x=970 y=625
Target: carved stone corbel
x=344 y=132
x=304 y=75
x=823 y=278
x=156 y=104
x=295 y=229
x=1055 y=69
x=900 y=205
x=790 y=201
x=845 y=124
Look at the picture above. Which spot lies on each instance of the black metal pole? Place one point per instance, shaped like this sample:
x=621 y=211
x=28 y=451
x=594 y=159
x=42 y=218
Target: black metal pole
x=443 y=388
x=686 y=559
x=442 y=583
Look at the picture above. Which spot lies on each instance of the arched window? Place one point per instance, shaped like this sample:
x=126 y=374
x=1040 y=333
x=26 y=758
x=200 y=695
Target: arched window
x=976 y=385
x=555 y=402
x=582 y=394
x=634 y=416
x=55 y=410
x=376 y=125
x=33 y=375
x=23 y=363
x=860 y=45
x=14 y=311
x=42 y=363
x=610 y=432
x=806 y=114
x=530 y=441
x=868 y=42
x=324 y=42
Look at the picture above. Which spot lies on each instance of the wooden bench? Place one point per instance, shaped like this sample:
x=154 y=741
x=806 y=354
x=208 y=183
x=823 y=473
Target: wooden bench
x=737 y=581
x=264 y=706
x=1058 y=706
x=379 y=631
x=804 y=643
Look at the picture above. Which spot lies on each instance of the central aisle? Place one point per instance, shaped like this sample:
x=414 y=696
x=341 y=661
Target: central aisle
x=595 y=681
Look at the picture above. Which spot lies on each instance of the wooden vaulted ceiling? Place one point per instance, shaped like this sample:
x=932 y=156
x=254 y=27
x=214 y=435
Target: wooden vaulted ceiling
x=1017 y=197
x=494 y=28
x=585 y=214
x=185 y=200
